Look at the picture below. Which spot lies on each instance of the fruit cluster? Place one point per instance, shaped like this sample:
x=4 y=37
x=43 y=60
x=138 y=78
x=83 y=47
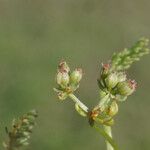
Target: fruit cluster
x=67 y=81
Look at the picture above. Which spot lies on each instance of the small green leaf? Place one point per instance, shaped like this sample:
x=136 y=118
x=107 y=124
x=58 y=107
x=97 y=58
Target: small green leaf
x=80 y=110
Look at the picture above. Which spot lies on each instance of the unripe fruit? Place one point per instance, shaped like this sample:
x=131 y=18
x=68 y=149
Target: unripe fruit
x=113 y=109
x=62 y=79
x=121 y=77
x=127 y=87
x=76 y=76
x=111 y=80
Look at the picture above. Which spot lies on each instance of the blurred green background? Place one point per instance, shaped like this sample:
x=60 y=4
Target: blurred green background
x=35 y=35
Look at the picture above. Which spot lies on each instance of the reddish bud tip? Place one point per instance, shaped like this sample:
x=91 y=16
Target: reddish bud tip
x=106 y=66
x=132 y=84
x=63 y=67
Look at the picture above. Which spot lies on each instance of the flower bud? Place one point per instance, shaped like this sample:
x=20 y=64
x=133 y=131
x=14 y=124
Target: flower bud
x=62 y=79
x=105 y=69
x=76 y=76
x=121 y=77
x=63 y=67
x=113 y=109
x=127 y=87
x=111 y=80
x=120 y=98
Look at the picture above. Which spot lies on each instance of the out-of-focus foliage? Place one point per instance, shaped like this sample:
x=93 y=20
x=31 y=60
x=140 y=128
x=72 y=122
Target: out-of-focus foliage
x=124 y=59
x=19 y=134
x=36 y=35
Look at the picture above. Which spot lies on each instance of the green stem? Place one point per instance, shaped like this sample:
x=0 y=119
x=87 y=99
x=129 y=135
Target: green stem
x=107 y=129
x=77 y=101
x=110 y=142
x=106 y=133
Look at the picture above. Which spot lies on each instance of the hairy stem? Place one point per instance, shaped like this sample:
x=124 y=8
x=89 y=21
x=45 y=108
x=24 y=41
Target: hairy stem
x=107 y=129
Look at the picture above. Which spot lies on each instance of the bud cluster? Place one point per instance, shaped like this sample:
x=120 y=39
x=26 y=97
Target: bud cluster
x=115 y=83
x=114 y=87
x=67 y=81
x=21 y=130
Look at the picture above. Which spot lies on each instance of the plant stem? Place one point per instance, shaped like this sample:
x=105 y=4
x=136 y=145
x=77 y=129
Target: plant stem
x=106 y=133
x=76 y=100
x=107 y=137
x=107 y=129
